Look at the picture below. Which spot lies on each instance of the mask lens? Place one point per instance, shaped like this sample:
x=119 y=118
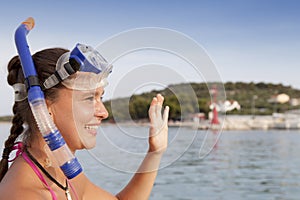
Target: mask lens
x=92 y=59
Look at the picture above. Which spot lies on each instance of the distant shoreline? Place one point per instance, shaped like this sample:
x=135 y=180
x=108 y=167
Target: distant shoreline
x=228 y=122
x=7 y=118
x=5 y=122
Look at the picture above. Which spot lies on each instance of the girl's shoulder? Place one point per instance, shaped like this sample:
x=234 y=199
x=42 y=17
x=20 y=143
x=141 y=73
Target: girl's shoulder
x=20 y=182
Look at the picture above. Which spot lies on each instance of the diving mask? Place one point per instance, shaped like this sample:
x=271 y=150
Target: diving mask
x=81 y=69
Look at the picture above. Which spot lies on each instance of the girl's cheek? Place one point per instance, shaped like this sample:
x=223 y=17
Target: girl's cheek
x=83 y=112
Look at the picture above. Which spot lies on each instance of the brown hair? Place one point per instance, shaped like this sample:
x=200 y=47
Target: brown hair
x=45 y=62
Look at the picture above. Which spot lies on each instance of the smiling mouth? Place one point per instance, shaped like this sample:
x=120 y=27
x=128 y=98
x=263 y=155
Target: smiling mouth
x=91 y=127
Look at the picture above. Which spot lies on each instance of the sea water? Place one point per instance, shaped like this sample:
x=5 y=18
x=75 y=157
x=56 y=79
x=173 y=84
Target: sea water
x=198 y=164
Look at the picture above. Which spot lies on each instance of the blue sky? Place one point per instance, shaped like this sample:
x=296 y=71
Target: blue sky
x=250 y=40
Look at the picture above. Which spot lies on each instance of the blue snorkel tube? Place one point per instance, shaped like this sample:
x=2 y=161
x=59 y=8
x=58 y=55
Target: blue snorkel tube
x=66 y=160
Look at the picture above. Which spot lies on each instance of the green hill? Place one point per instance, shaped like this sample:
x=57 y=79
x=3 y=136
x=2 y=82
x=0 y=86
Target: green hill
x=178 y=97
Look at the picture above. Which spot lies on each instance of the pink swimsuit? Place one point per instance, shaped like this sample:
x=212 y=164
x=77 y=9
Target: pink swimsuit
x=19 y=147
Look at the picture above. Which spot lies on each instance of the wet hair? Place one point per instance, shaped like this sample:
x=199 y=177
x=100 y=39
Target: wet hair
x=45 y=62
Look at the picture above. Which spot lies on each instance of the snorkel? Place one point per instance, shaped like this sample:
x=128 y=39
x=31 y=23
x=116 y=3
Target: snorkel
x=65 y=159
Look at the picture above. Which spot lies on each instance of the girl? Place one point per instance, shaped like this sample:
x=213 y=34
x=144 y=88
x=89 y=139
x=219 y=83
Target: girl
x=77 y=112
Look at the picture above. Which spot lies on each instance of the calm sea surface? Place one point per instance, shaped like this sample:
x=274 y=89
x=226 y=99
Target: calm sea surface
x=241 y=164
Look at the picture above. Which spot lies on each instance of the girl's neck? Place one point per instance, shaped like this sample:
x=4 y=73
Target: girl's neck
x=42 y=153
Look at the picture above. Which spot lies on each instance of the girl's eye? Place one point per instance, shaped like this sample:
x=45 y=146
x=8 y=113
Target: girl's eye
x=89 y=98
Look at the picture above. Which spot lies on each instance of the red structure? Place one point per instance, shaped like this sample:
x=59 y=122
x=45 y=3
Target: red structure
x=215 y=120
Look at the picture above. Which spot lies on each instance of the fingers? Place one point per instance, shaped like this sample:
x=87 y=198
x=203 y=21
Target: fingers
x=151 y=112
x=154 y=101
x=160 y=99
x=166 y=114
x=156 y=107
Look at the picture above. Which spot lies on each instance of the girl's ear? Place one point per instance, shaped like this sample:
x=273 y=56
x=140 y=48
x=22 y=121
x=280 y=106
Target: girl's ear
x=49 y=107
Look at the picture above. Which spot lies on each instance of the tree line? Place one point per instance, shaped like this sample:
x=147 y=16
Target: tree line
x=189 y=98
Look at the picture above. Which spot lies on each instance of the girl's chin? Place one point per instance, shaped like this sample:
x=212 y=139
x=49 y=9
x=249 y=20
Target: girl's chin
x=92 y=132
x=89 y=141
x=89 y=145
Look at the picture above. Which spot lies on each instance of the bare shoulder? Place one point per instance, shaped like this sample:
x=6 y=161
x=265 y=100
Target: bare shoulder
x=91 y=191
x=20 y=182
x=9 y=192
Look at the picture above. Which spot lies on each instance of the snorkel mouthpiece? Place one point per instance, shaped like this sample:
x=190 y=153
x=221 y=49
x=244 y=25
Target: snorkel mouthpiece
x=29 y=23
x=66 y=160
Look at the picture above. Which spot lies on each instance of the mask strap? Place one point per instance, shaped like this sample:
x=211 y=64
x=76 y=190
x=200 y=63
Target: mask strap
x=63 y=73
x=20 y=92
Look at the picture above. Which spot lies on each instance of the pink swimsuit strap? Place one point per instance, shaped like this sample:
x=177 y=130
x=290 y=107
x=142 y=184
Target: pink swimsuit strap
x=19 y=147
x=39 y=174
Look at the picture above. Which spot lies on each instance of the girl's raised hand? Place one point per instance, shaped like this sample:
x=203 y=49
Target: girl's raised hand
x=158 y=134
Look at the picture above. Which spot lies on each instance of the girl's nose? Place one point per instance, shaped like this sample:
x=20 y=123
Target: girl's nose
x=100 y=111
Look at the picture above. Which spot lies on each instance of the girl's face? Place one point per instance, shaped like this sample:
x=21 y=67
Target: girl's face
x=77 y=115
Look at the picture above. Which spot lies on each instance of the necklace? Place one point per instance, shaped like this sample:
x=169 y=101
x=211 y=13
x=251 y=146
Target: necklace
x=66 y=188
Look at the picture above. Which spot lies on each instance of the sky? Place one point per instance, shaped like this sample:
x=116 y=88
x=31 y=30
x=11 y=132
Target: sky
x=247 y=40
